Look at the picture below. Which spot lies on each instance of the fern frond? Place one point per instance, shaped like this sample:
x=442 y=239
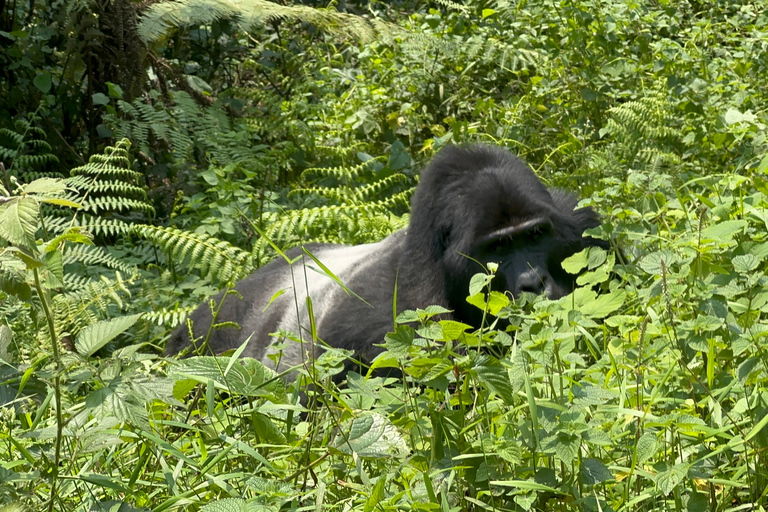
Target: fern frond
x=99 y=205
x=169 y=317
x=378 y=188
x=213 y=257
x=162 y=17
x=342 y=174
x=76 y=309
x=92 y=255
x=94 y=225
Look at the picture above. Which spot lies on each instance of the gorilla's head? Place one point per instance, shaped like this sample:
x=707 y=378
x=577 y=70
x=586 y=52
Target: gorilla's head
x=483 y=203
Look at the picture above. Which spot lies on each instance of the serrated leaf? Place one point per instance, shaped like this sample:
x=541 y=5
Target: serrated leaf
x=495 y=377
x=46 y=186
x=18 y=221
x=594 y=472
x=407 y=316
x=399 y=343
x=371 y=436
x=745 y=263
x=724 y=231
x=588 y=394
x=246 y=376
x=652 y=263
x=646 y=447
x=453 y=330
x=592 y=305
x=93 y=337
x=666 y=481
x=576 y=263
x=562 y=444
x=226 y=505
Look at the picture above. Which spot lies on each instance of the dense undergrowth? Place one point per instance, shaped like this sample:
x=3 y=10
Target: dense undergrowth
x=182 y=164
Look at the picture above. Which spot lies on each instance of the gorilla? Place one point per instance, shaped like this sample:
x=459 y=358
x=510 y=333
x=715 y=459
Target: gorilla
x=474 y=204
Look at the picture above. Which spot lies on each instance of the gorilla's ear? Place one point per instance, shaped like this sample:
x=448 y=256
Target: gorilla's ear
x=566 y=202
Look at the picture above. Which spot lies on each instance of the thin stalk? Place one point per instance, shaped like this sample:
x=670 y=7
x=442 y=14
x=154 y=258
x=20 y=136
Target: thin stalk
x=56 y=389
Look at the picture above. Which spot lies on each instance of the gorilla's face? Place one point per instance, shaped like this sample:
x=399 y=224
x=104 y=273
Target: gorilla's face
x=529 y=254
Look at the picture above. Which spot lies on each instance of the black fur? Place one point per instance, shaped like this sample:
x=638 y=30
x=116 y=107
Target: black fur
x=477 y=201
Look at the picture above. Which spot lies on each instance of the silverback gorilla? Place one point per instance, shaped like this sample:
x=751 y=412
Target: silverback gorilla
x=474 y=203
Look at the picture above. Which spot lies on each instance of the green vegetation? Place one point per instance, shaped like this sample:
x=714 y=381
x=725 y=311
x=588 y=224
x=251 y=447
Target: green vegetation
x=154 y=153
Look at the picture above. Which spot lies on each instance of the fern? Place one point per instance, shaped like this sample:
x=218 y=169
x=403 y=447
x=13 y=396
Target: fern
x=645 y=132
x=24 y=150
x=213 y=257
x=94 y=300
x=163 y=17
x=358 y=213
x=107 y=184
x=180 y=126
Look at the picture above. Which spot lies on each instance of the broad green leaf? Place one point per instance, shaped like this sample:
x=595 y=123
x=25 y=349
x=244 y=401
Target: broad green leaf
x=667 y=480
x=564 y=445
x=370 y=436
x=493 y=376
x=59 y=201
x=100 y=99
x=399 y=343
x=646 y=447
x=93 y=337
x=73 y=235
x=453 y=330
x=594 y=472
x=46 y=186
x=478 y=283
x=745 y=263
x=576 y=263
x=724 y=231
x=18 y=221
x=247 y=376
x=227 y=505
x=592 y=305
x=652 y=263
x=43 y=82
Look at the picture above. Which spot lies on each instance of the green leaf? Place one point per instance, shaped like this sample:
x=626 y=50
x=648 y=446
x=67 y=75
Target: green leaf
x=377 y=495
x=18 y=221
x=46 y=186
x=371 y=436
x=59 y=201
x=667 y=480
x=563 y=444
x=478 y=283
x=453 y=330
x=115 y=91
x=575 y=263
x=652 y=263
x=592 y=305
x=763 y=167
x=246 y=376
x=399 y=343
x=724 y=231
x=43 y=82
x=93 y=337
x=488 y=12
x=100 y=99
x=646 y=447
x=493 y=376
x=594 y=472
x=227 y=505
x=745 y=263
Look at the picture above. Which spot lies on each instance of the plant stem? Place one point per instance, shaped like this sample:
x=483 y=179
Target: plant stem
x=56 y=388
